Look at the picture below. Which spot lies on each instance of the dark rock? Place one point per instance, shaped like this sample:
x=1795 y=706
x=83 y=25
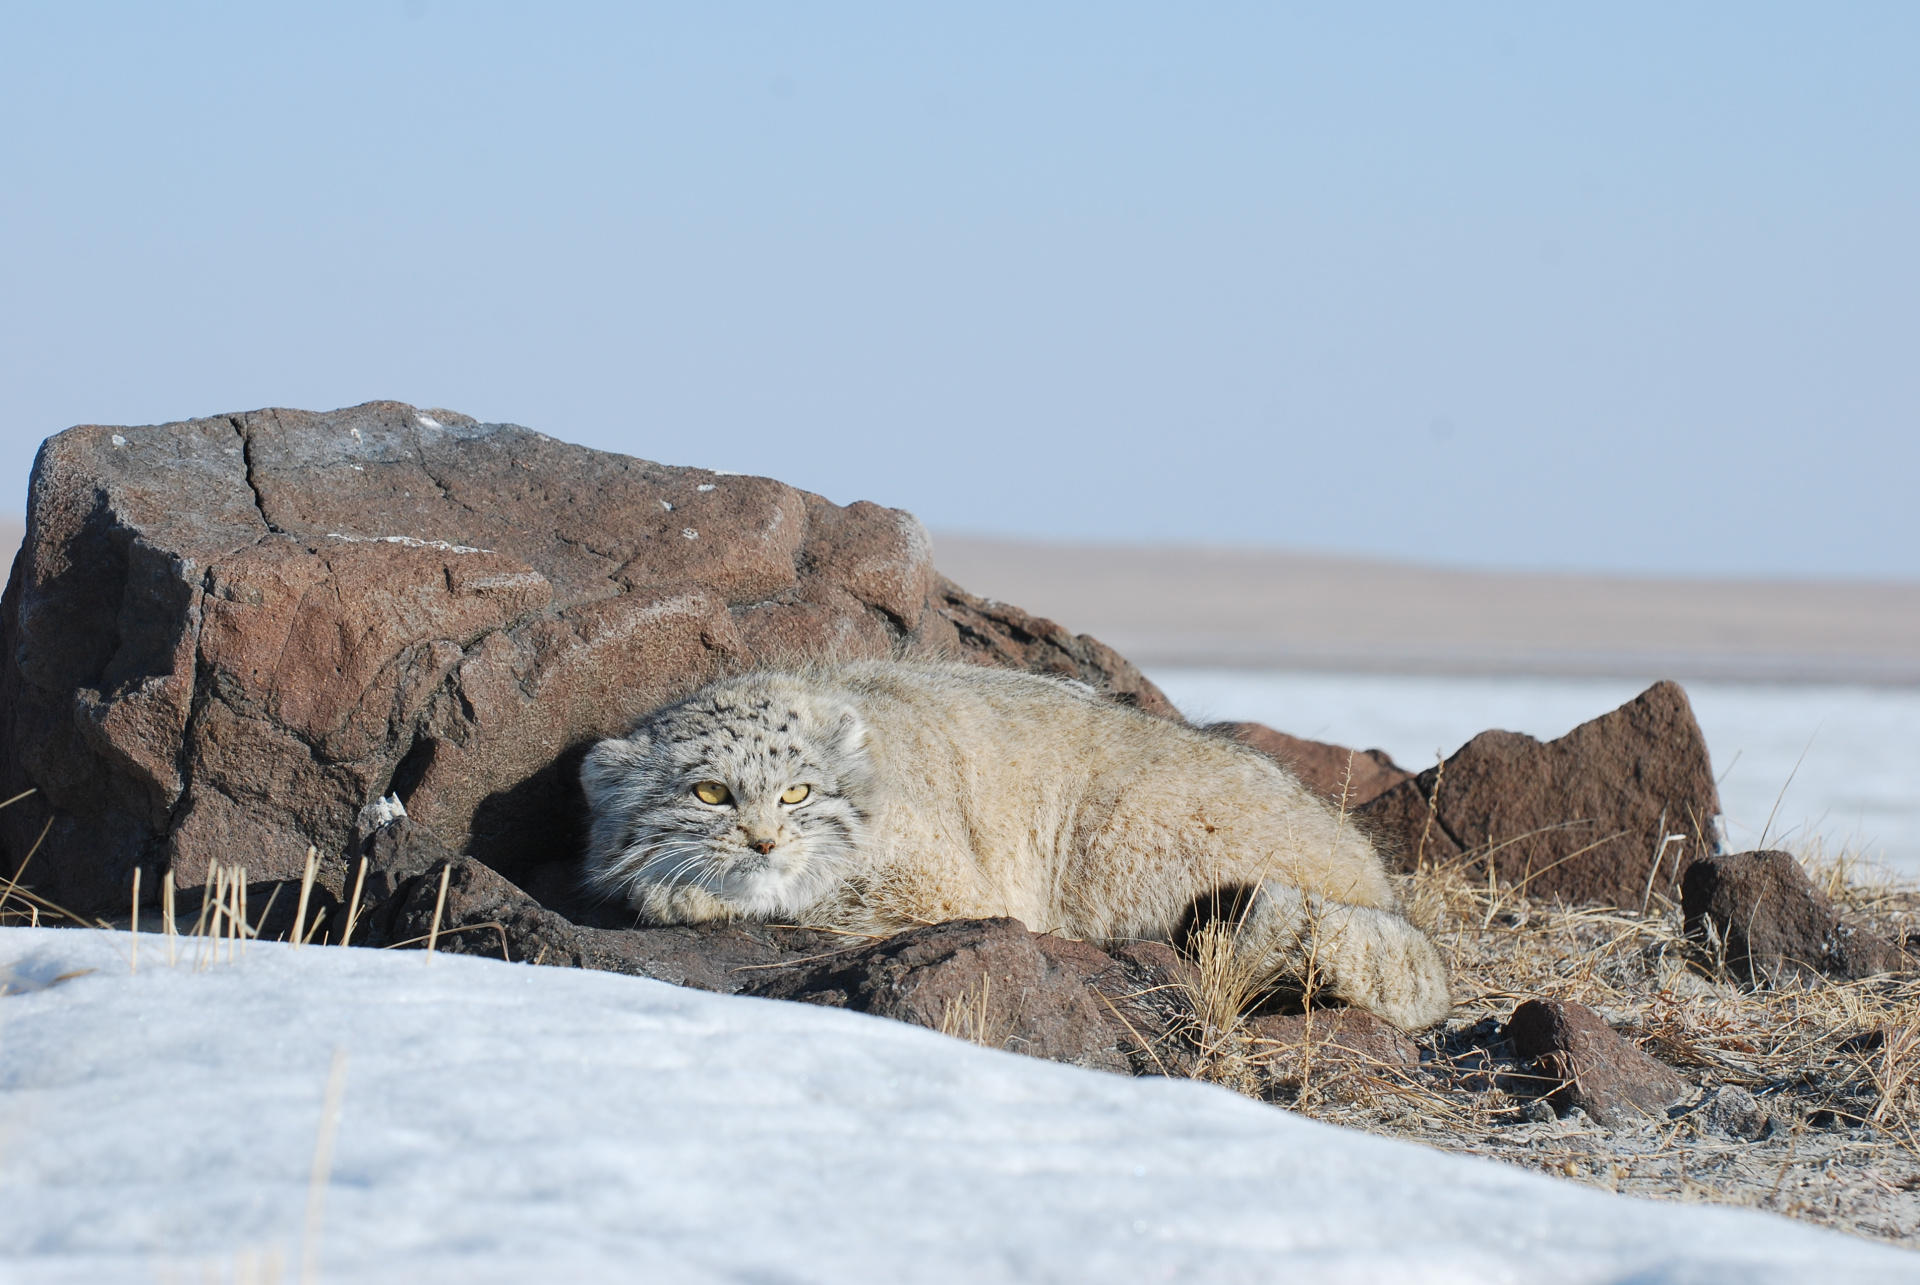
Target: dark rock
x=227 y=636
x=1866 y=1041
x=1321 y=767
x=1774 y=923
x=398 y=852
x=1582 y=1063
x=1155 y=961
x=1151 y=993
x=1343 y=1040
x=486 y=915
x=1404 y=824
x=1538 y=1111
x=988 y=980
x=1581 y=818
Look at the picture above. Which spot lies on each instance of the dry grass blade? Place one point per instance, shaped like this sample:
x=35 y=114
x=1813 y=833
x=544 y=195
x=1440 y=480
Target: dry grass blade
x=133 y=927
x=439 y=908
x=1224 y=988
x=970 y=1017
x=353 y=906
x=322 y=1168
x=13 y=884
x=166 y=915
x=306 y=892
x=467 y=928
x=1895 y=1070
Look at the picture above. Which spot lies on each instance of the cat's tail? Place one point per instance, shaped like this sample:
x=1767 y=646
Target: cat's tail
x=1372 y=959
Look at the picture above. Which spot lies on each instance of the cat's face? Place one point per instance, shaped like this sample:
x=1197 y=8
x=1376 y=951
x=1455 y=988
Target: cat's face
x=742 y=801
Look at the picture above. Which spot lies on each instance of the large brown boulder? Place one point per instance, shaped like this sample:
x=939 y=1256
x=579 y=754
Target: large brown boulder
x=223 y=637
x=1583 y=817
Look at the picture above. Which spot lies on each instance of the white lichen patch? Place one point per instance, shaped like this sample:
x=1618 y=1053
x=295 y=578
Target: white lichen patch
x=410 y=542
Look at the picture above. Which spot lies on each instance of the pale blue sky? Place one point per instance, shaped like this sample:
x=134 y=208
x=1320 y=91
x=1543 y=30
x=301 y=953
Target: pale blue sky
x=1629 y=287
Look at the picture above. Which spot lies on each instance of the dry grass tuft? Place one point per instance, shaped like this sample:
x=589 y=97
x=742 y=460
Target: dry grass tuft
x=1835 y=1064
x=970 y=1016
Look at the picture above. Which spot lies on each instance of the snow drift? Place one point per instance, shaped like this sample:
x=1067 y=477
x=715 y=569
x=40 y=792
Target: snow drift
x=510 y=1123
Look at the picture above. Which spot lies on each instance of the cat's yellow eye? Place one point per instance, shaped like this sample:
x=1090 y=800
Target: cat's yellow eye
x=712 y=792
x=795 y=793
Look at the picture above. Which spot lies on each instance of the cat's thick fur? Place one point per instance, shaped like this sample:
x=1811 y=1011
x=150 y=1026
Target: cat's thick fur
x=941 y=792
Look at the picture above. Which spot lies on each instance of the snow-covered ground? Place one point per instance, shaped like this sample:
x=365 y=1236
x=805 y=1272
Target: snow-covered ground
x=1857 y=787
x=506 y=1123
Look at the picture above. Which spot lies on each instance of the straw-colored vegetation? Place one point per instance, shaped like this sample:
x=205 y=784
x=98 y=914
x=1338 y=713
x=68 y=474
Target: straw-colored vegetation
x=973 y=1017
x=1834 y=1064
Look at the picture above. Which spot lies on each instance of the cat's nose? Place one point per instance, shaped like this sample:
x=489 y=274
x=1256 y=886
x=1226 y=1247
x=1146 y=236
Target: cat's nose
x=762 y=846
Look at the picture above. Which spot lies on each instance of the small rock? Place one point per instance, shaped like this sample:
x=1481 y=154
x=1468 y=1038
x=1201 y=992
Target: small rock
x=1593 y=1068
x=383 y=811
x=1736 y=1113
x=1539 y=1111
x=1774 y=923
x=1349 y=1038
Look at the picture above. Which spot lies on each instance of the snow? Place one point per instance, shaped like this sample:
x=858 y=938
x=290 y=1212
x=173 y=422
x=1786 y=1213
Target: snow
x=1857 y=786
x=504 y=1122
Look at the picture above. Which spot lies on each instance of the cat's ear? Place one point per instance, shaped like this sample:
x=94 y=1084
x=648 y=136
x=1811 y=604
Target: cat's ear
x=611 y=764
x=850 y=733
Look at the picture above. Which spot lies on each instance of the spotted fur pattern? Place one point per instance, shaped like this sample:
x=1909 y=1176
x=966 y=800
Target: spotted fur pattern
x=939 y=792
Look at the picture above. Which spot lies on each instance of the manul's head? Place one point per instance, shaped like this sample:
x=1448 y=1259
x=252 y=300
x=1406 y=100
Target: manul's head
x=743 y=800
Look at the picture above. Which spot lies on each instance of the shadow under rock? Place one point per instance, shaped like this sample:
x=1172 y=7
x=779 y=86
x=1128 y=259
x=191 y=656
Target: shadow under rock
x=533 y=834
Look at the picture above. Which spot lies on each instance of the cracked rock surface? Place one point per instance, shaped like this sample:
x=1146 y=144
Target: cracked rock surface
x=224 y=637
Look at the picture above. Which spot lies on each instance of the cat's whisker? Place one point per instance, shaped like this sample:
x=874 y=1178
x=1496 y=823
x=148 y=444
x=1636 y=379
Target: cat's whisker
x=681 y=863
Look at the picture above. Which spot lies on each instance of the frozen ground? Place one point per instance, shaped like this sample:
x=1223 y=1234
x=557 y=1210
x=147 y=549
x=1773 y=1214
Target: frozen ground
x=1858 y=786
x=502 y=1122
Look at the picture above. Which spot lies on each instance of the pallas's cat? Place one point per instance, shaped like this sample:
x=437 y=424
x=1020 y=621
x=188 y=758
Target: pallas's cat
x=877 y=795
